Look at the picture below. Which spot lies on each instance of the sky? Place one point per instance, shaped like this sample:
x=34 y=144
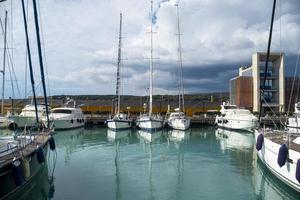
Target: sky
x=80 y=43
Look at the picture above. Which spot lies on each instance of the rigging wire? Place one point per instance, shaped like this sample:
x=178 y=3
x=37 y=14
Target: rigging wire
x=26 y=58
x=293 y=84
x=13 y=76
x=44 y=49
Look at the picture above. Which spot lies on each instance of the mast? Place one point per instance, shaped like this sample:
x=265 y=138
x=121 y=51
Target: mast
x=267 y=60
x=40 y=58
x=30 y=63
x=151 y=61
x=4 y=62
x=180 y=73
x=118 y=67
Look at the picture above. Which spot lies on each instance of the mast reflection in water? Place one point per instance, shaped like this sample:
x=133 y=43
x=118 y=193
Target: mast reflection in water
x=201 y=163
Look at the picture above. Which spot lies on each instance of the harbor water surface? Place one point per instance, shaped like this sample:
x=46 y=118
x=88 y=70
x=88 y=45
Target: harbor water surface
x=202 y=163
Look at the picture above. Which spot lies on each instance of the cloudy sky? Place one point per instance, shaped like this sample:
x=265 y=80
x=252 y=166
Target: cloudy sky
x=81 y=37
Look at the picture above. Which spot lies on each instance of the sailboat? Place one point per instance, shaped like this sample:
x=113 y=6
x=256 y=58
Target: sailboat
x=119 y=120
x=23 y=156
x=150 y=121
x=279 y=150
x=178 y=120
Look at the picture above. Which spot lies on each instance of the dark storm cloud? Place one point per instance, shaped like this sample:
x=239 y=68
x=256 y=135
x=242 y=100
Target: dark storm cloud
x=219 y=36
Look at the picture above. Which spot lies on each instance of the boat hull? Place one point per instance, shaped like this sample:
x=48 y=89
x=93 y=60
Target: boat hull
x=64 y=124
x=180 y=124
x=236 y=124
x=8 y=186
x=119 y=124
x=22 y=121
x=268 y=156
x=149 y=124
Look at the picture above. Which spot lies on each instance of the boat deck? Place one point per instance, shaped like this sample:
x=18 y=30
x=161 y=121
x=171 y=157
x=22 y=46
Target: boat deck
x=281 y=137
x=39 y=139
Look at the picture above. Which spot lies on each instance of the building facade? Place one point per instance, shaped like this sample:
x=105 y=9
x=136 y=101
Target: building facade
x=246 y=87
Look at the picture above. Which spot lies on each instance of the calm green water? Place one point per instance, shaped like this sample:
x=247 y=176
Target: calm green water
x=203 y=163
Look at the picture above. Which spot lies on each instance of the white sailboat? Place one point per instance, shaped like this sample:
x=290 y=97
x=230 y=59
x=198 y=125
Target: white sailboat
x=149 y=120
x=119 y=120
x=279 y=150
x=178 y=120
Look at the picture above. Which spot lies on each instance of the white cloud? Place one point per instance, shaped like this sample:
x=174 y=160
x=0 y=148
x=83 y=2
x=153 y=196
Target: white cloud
x=81 y=40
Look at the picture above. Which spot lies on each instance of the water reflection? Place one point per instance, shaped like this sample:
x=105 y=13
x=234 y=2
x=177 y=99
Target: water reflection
x=179 y=138
x=149 y=136
x=179 y=135
x=267 y=186
x=69 y=140
x=148 y=139
x=230 y=139
x=115 y=135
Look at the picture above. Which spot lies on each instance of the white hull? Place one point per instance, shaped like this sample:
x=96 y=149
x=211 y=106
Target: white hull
x=4 y=122
x=293 y=122
x=23 y=121
x=149 y=124
x=119 y=124
x=269 y=154
x=180 y=124
x=60 y=124
x=237 y=124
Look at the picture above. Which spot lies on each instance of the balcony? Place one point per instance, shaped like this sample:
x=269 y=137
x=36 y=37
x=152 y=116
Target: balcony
x=268 y=74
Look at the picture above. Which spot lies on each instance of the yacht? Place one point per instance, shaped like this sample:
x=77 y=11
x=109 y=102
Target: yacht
x=67 y=117
x=235 y=118
x=27 y=117
x=150 y=121
x=4 y=121
x=294 y=121
x=178 y=120
x=119 y=120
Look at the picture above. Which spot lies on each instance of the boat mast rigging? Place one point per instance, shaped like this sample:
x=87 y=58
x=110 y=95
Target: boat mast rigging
x=118 y=68
x=151 y=61
x=267 y=61
x=30 y=62
x=40 y=59
x=4 y=62
x=180 y=73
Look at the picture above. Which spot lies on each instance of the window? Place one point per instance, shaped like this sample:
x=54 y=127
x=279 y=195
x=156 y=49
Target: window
x=62 y=111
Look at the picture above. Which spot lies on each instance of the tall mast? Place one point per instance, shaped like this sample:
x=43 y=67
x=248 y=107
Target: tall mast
x=118 y=67
x=30 y=62
x=180 y=73
x=267 y=60
x=40 y=57
x=151 y=60
x=4 y=62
